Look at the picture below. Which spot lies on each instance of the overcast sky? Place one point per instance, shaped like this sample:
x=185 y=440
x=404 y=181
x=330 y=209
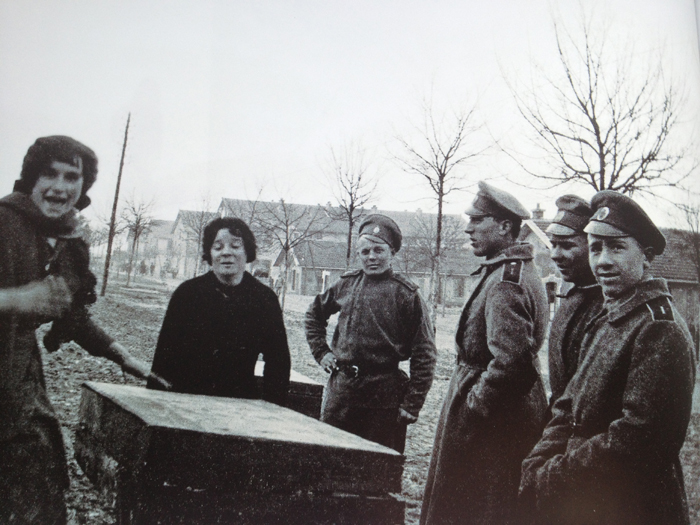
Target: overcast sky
x=230 y=96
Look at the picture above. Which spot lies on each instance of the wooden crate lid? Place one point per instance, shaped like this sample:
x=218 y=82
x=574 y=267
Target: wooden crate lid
x=246 y=418
x=228 y=443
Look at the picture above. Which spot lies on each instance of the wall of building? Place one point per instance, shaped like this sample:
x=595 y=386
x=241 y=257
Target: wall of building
x=686 y=298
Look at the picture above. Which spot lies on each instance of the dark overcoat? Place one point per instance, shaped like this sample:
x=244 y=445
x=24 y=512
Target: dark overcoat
x=495 y=404
x=382 y=320
x=577 y=308
x=610 y=455
x=212 y=335
x=33 y=472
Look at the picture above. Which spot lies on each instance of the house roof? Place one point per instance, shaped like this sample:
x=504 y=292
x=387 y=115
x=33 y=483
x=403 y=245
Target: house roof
x=320 y=254
x=192 y=217
x=161 y=229
x=675 y=264
x=405 y=219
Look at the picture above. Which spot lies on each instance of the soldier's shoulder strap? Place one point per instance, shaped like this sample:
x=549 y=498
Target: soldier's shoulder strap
x=351 y=273
x=661 y=309
x=512 y=271
x=405 y=281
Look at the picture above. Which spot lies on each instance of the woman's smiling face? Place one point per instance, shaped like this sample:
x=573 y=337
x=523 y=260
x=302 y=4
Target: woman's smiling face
x=58 y=189
x=228 y=257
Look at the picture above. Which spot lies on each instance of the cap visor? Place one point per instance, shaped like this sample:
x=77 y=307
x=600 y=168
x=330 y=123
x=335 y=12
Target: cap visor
x=374 y=238
x=604 y=229
x=560 y=229
x=471 y=211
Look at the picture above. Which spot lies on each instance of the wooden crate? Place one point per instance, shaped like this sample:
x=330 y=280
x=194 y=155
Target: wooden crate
x=183 y=458
x=305 y=395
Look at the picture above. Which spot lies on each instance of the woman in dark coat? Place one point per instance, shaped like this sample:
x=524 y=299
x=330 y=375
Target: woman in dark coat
x=217 y=324
x=44 y=276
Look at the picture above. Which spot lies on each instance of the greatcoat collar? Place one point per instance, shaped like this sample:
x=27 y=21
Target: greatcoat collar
x=644 y=292
x=520 y=251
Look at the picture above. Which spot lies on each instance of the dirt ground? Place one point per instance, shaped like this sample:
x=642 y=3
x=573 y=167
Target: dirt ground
x=133 y=316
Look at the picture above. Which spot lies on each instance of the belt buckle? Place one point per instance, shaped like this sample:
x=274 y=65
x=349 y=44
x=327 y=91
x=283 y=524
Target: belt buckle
x=355 y=371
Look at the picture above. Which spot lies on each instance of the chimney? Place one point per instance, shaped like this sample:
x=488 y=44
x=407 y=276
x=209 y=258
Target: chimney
x=538 y=213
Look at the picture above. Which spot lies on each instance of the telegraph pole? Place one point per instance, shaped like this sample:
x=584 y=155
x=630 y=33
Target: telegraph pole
x=113 y=220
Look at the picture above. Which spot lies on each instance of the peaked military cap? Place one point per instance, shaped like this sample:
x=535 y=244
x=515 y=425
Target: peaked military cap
x=496 y=203
x=616 y=215
x=572 y=216
x=381 y=228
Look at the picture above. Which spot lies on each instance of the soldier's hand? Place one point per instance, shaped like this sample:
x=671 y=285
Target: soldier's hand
x=329 y=363
x=405 y=417
x=47 y=298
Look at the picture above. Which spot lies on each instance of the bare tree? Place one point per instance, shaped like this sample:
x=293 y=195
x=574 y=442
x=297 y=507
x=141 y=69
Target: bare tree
x=249 y=210
x=352 y=186
x=193 y=223
x=289 y=225
x=442 y=146
x=419 y=253
x=138 y=218
x=607 y=121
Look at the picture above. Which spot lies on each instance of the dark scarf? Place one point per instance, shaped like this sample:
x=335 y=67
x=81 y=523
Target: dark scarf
x=66 y=227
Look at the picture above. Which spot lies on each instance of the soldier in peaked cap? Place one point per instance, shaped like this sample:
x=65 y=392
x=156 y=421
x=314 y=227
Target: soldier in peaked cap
x=583 y=298
x=383 y=320
x=494 y=410
x=611 y=449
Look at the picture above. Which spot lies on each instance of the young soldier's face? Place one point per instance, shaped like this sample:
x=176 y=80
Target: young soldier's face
x=570 y=253
x=58 y=189
x=618 y=263
x=376 y=257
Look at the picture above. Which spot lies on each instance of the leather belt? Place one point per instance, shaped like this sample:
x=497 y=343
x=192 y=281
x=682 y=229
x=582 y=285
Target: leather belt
x=357 y=369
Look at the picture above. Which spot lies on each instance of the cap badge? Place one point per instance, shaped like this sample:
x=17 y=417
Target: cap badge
x=601 y=214
x=376 y=229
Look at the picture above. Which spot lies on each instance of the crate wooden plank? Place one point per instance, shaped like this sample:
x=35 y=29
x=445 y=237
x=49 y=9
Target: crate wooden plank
x=173 y=507
x=211 y=443
x=305 y=394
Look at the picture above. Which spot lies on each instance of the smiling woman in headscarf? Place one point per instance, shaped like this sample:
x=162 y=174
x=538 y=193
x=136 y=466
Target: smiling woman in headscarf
x=44 y=276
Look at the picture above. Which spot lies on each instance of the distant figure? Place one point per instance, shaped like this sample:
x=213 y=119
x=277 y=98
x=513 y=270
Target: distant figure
x=582 y=301
x=44 y=276
x=495 y=405
x=383 y=320
x=217 y=324
x=610 y=454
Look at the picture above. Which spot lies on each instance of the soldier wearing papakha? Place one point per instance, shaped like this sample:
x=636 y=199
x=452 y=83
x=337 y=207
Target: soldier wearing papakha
x=383 y=320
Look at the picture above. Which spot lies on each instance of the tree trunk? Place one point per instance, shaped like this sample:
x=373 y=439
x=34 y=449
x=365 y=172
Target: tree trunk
x=348 y=254
x=131 y=262
x=285 y=275
x=435 y=272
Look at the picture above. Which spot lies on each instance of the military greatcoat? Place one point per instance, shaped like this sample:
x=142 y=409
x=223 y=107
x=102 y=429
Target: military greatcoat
x=579 y=305
x=610 y=453
x=495 y=405
x=383 y=320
